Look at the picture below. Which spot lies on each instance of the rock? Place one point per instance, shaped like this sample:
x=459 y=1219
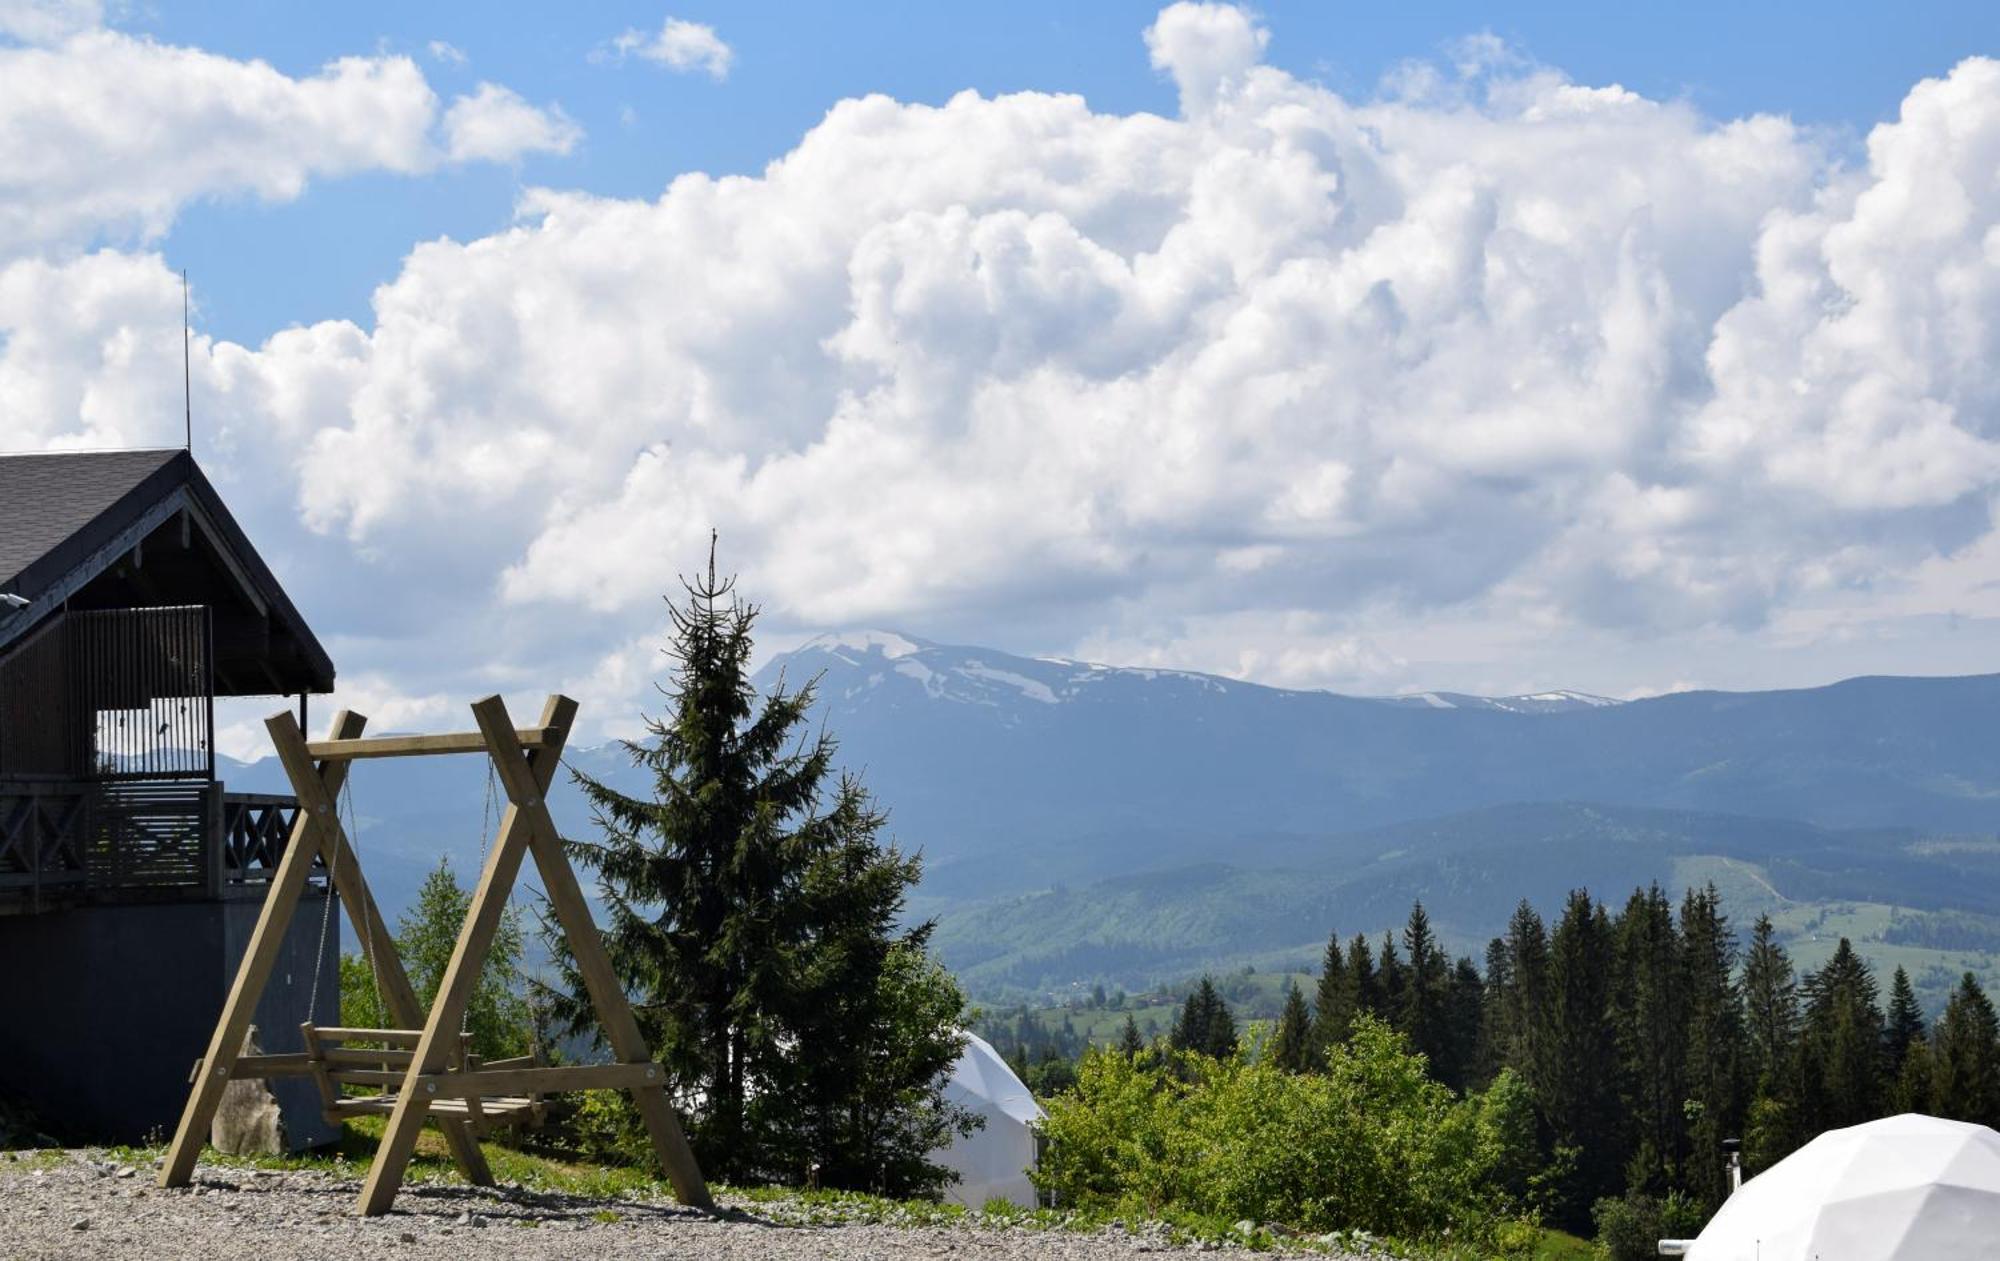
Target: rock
x=81 y=1223
x=126 y=1171
x=247 y=1122
x=406 y=1237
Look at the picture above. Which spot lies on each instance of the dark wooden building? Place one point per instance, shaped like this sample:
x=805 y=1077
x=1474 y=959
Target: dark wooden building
x=129 y=875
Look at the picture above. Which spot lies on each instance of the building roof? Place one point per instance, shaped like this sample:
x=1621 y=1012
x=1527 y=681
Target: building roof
x=47 y=498
x=124 y=529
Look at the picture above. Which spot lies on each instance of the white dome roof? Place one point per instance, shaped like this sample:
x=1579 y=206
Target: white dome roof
x=1905 y=1188
x=991 y=1162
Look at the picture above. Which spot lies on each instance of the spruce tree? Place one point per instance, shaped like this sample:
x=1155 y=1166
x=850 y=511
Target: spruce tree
x=1905 y=1023
x=1840 y=1076
x=1965 y=1057
x=1770 y=1004
x=1464 y=1004
x=1496 y=1002
x=1718 y=1093
x=1335 y=1002
x=1523 y=1008
x=1130 y=1044
x=1362 y=978
x=1576 y=1065
x=752 y=913
x=1291 y=1046
x=1205 y=1024
x=1390 y=977
x=1916 y=1082
x=1423 y=1012
x=1650 y=1011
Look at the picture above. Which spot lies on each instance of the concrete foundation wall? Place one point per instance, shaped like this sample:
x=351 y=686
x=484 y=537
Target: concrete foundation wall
x=104 y=1009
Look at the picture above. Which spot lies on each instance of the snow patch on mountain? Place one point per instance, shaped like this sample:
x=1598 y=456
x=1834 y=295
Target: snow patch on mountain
x=864 y=660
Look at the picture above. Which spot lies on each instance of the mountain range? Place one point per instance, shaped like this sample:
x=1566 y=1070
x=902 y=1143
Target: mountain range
x=1082 y=821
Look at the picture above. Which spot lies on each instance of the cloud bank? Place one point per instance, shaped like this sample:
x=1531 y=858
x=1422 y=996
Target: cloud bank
x=1316 y=389
x=106 y=136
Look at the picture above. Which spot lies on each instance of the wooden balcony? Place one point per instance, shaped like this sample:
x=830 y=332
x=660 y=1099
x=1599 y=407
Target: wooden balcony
x=68 y=842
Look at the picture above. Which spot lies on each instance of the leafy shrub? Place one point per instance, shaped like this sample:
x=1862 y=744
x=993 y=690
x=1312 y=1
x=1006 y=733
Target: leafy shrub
x=1630 y=1229
x=1372 y=1143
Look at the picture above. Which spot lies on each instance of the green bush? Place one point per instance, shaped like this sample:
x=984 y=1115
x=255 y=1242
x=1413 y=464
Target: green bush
x=1371 y=1144
x=1630 y=1229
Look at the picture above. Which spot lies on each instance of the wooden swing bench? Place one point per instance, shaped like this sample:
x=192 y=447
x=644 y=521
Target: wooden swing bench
x=425 y=1069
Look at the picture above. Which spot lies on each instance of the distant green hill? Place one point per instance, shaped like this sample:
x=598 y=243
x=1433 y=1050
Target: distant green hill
x=1928 y=903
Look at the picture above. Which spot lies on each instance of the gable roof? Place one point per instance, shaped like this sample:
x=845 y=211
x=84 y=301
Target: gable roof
x=47 y=498
x=75 y=528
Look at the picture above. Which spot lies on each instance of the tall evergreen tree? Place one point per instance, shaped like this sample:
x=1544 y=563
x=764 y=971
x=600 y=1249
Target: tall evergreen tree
x=1335 y=1002
x=1905 y=1024
x=1291 y=1046
x=1916 y=1082
x=1496 y=1003
x=1390 y=978
x=1527 y=945
x=1840 y=1075
x=1650 y=1013
x=1426 y=995
x=1576 y=1065
x=1775 y=1124
x=1965 y=1058
x=1130 y=1044
x=1464 y=1003
x=1718 y=1093
x=1205 y=1024
x=752 y=914
x=1771 y=1008
x=1362 y=977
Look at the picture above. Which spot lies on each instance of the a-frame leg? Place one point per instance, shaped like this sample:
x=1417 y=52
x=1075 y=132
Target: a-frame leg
x=461 y=976
x=267 y=939
x=525 y=824
x=318 y=797
x=526 y=784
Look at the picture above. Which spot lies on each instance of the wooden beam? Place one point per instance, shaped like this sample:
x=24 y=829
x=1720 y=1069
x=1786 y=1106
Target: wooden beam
x=392 y=1037
x=285 y=1064
x=417 y=746
x=535 y=1081
x=526 y=784
x=344 y=866
x=468 y=956
x=260 y=956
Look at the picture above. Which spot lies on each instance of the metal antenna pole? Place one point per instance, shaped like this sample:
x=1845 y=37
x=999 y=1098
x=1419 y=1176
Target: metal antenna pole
x=187 y=377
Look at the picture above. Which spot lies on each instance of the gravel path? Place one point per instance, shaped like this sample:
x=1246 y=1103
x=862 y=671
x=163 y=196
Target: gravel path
x=83 y=1205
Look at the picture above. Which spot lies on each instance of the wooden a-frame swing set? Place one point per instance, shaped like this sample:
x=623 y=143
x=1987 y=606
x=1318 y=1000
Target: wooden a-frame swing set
x=425 y=1070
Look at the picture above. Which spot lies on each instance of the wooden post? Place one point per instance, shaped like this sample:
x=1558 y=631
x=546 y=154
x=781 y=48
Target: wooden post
x=461 y=975
x=344 y=867
x=526 y=762
x=259 y=957
x=527 y=792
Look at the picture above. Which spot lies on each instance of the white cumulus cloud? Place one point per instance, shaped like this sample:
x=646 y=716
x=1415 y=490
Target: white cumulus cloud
x=105 y=135
x=681 y=46
x=495 y=125
x=1491 y=382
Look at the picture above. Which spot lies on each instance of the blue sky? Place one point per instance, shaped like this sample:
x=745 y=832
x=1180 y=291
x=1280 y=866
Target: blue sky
x=1380 y=348
x=1841 y=65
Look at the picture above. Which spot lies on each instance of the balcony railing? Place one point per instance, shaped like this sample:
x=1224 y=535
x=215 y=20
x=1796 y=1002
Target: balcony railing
x=62 y=842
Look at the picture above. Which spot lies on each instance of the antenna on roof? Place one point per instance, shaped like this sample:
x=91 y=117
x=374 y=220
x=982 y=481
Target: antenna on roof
x=187 y=379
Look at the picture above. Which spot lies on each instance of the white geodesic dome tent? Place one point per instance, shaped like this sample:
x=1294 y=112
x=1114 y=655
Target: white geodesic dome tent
x=992 y=1161
x=1905 y=1188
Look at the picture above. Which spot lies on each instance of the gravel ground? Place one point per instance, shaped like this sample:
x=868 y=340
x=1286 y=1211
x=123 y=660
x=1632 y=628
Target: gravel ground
x=83 y=1205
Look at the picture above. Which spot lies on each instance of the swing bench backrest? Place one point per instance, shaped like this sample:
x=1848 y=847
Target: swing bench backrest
x=342 y=1057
